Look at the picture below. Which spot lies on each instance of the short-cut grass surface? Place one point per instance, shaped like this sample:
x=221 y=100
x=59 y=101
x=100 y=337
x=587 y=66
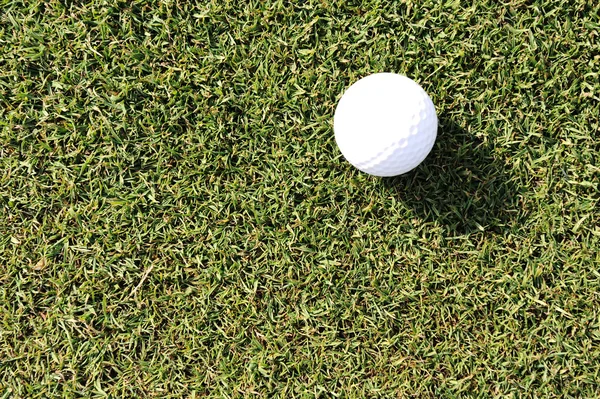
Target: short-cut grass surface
x=177 y=221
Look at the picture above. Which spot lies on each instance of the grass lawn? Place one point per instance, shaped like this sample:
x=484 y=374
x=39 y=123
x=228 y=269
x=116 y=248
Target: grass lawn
x=177 y=221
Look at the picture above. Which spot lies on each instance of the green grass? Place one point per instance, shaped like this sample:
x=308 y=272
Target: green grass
x=177 y=221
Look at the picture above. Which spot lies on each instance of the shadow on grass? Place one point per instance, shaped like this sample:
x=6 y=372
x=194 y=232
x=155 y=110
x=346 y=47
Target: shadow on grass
x=461 y=184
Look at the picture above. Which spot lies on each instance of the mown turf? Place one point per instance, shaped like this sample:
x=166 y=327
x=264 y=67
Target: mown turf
x=176 y=220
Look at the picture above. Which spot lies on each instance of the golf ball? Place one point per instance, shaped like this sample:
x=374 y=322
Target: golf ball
x=385 y=124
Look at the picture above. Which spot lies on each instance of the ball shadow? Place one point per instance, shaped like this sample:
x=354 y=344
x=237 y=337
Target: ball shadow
x=461 y=185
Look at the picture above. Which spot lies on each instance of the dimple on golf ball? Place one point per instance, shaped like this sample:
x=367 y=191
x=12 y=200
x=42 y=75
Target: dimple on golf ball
x=385 y=124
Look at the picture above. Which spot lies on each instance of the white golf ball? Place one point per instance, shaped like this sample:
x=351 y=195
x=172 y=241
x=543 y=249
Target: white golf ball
x=385 y=124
